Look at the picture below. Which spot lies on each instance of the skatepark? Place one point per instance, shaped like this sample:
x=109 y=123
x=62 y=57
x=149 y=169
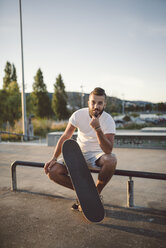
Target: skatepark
x=38 y=214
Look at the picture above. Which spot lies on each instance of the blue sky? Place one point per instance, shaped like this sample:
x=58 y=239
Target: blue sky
x=118 y=45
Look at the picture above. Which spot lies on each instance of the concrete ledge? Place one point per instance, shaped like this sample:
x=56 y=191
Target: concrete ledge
x=154 y=129
x=52 y=138
x=131 y=139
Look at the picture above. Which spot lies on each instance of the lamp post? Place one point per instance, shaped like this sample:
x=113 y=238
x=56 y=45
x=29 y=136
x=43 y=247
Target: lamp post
x=123 y=104
x=23 y=97
x=82 y=96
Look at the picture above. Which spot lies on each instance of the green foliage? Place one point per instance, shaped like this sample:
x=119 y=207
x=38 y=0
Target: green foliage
x=13 y=102
x=161 y=107
x=10 y=75
x=135 y=115
x=113 y=105
x=135 y=126
x=127 y=118
x=10 y=107
x=29 y=104
x=148 y=107
x=13 y=88
x=43 y=126
x=39 y=97
x=39 y=85
x=10 y=137
x=113 y=114
x=3 y=107
x=7 y=77
x=59 y=100
x=13 y=74
x=14 y=108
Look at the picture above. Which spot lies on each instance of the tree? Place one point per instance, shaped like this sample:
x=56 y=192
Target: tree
x=14 y=97
x=3 y=107
x=14 y=107
x=126 y=118
x=59 y=100
x=40 y=98
x=161 y=106
x=10 y=97
x=13 y=74
x=7 y=77
x=10 y=75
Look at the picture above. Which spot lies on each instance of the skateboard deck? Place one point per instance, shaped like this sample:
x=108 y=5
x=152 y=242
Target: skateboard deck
x=82 y=181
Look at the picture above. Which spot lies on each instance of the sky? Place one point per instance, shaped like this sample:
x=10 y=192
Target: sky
x=119 y=45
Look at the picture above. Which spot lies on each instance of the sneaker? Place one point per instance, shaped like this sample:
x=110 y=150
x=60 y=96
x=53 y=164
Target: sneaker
x=76 y=206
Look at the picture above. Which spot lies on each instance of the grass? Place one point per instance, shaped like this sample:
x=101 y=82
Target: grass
x=44 y=126
x=40 y=126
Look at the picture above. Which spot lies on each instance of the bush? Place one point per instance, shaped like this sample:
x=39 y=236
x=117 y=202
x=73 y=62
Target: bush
x=114 y=114
x=40 y=126
x=43 y=126
x=10 y=137
x=135 y=126
x=135 y=115
x=127 y=118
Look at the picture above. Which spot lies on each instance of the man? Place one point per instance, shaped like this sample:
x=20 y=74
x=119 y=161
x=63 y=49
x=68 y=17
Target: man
x=96 y=130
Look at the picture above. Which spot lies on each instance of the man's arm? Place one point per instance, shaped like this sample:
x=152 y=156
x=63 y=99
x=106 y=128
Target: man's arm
x=66 y=135
x=106 y=141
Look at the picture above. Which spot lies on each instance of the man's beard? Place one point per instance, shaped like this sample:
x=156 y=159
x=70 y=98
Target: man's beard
x=95 y=113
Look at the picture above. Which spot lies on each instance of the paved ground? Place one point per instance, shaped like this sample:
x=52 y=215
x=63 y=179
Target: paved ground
x=39 y=215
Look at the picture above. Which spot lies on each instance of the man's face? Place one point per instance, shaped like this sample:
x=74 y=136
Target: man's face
x=96 y=105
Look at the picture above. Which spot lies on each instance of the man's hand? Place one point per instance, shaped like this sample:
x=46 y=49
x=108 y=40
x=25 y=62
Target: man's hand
x=95 y=122
x=49 y=165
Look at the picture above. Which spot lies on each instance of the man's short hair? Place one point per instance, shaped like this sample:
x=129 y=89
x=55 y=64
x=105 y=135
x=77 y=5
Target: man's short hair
x=98 y=92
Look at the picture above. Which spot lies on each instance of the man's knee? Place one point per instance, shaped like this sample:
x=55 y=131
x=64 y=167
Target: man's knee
x=110 y=161
x=113 y=160
x=52 y=174
x=55 y=172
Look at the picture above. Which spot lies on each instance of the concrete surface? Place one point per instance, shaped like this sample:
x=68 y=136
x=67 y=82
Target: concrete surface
x=39 y=215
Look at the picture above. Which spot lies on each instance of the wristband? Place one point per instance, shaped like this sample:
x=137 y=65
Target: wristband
x=54 y=159
x=96 y=128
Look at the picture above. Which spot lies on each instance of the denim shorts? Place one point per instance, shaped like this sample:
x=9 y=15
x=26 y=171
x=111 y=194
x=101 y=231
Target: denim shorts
x=90 y=157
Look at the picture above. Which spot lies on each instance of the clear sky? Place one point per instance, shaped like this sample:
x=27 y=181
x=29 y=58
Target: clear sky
x=119 y=45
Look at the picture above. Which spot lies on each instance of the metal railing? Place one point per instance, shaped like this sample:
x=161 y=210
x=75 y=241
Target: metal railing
x=127 y=173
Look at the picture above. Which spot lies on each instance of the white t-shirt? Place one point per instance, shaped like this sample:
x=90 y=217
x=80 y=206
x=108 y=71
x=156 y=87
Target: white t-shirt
x=87 y=138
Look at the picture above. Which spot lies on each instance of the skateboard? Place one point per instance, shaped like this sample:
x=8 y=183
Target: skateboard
x=82 y=181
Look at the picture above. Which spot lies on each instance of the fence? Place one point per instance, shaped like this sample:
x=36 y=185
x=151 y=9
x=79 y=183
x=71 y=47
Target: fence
x=128 y=173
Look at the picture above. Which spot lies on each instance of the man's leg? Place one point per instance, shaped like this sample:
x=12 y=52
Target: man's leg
x=107 y=162
x=59 y=174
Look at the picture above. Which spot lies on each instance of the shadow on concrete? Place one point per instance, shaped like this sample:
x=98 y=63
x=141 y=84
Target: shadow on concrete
x=137 y=231
x=43 y=194
x=136 y=214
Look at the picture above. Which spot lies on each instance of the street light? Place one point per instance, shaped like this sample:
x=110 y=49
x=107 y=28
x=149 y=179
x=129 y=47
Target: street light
x=23 y=97
x=82 y=96
x=123 y=104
